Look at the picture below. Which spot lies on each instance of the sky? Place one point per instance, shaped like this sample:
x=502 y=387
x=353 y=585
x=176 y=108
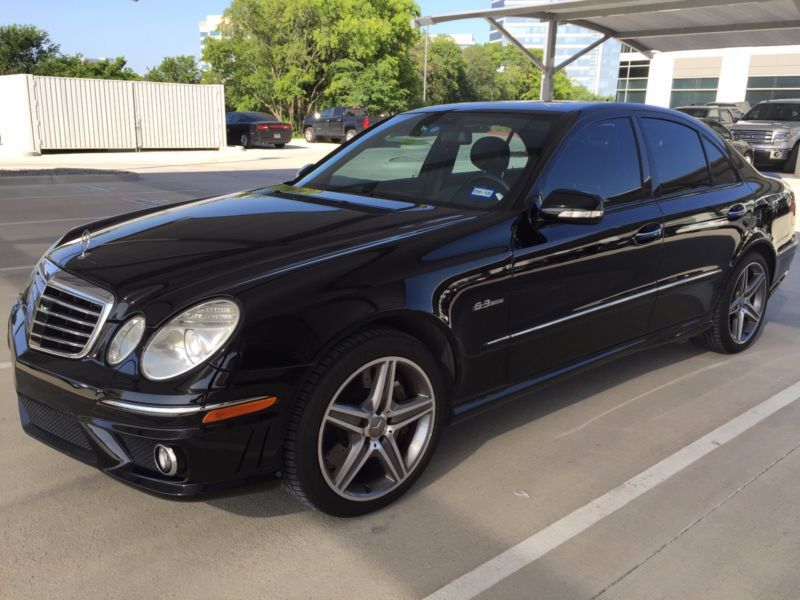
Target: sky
x=146 y=31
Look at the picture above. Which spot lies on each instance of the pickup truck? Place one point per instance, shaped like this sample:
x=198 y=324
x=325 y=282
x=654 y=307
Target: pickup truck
x=772 y=128
x=336 y=123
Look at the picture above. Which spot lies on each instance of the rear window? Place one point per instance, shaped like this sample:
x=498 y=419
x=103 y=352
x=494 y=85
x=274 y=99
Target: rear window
x=259 y=116
x=464 y=159
x=698 y=112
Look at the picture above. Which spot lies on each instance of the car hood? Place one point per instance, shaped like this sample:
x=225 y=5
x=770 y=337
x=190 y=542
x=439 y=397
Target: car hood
x=763 y=125
x=219 y=244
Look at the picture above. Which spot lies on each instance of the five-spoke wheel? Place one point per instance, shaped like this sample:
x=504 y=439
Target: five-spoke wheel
x=366 y=423
x=747 y=304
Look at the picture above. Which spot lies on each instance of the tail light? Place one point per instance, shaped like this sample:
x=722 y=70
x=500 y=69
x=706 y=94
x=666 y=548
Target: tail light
x=365 y=122
x=273 y=127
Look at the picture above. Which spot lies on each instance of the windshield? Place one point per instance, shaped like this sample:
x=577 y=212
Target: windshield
x=774 y=111
x=464 y=159
x=695 y=112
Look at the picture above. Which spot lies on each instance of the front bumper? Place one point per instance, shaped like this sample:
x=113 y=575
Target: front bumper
x=70 y=416
x=775 y=154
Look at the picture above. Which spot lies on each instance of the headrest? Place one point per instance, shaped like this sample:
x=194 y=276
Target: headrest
x=491 y=154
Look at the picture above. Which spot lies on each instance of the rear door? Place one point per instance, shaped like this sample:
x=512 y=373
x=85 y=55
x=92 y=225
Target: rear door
x=584 y=289
x=705 y=209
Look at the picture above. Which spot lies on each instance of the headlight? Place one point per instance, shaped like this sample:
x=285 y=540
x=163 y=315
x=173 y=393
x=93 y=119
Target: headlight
x=780 y=136
x=126 y=340
x=189 y=339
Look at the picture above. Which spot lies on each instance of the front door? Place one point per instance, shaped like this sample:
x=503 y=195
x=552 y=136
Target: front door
x=587 y=289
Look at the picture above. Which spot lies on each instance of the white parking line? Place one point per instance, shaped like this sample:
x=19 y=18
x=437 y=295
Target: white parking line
x=6 y=269
x=527 y=551
x=87 y=219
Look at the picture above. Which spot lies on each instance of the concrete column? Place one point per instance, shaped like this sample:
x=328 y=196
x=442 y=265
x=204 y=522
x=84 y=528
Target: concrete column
x=659 y=82
x=733 y=75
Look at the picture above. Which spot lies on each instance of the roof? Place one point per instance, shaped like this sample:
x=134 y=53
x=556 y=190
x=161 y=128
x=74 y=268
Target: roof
x=539 y=106
x=664 y=25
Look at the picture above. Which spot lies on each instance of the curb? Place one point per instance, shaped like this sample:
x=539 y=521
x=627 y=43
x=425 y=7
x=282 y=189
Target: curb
x=48 y=177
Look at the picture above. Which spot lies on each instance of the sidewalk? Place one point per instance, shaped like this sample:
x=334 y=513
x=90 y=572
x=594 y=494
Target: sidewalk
x=293 y=156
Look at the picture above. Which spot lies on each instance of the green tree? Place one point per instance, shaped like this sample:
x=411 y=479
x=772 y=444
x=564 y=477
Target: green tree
x=75 y=65
x=290 y=57
x=502 y=72
x=23 y=47
x=447 y=71
x=176 y=69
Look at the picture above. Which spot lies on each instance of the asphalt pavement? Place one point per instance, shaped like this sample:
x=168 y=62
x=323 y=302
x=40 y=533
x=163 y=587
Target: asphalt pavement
x=670 y=474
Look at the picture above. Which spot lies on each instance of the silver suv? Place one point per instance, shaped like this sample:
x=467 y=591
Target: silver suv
x=772 y=128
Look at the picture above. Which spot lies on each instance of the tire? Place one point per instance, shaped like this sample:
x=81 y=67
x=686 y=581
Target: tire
x=322 y=441
x=349 y=135
x=791 y=163
x=281 y=145
x=244 y=141
x=310 y=135
x=725 y=335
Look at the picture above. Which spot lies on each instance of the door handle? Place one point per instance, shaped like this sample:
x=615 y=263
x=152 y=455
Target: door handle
x=737 y=211
x=648 y=233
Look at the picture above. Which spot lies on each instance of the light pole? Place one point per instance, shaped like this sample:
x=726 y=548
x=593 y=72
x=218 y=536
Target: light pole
x=418 y=23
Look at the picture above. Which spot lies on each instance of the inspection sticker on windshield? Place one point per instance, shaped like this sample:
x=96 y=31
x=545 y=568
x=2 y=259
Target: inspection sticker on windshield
x=481 y=192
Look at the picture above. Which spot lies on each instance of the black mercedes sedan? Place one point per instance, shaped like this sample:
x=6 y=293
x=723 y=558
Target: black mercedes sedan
x=248 y=129
x=328 y=328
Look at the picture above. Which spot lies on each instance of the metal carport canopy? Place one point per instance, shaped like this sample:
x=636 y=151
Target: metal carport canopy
x=651 y=25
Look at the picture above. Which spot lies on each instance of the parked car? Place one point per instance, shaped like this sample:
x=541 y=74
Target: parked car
x=721 y=115
x=328 y=328
x=772 y=128
x=739 y=109
x=337 y=123
x=723 y=132
x=249 y=129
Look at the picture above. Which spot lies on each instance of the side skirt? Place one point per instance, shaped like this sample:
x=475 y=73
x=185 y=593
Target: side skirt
x=682 y=332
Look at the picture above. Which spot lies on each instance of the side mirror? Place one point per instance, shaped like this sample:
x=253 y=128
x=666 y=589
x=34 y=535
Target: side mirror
x=305 y=170
x=569 y=206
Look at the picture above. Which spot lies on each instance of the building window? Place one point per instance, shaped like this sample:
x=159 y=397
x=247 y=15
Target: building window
x=696 y=90
x=772 y=88
x=632 y=82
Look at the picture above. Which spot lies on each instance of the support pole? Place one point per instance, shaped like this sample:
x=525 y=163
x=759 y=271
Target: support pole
x=425 y=66
x=549 y=71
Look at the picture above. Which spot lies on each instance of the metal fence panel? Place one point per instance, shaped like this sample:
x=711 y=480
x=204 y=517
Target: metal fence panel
x=99 y=114
x=179 y=115
x=84 y=114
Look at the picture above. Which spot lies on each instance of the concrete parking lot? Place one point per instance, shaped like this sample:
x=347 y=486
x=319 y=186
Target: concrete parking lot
x=724 y=525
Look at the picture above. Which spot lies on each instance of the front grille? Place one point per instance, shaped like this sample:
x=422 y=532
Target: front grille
x=753 y=136
x=65 y=314
x=55 y=422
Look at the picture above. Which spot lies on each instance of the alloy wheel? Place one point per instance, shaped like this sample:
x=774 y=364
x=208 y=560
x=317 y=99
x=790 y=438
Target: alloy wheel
x=376 y=428
x=747 y=304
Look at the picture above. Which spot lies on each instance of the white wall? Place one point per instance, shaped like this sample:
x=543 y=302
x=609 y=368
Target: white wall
x=16 y=129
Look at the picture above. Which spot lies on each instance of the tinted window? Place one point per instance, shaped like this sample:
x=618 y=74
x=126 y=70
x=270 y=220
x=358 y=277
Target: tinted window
x=465 y=159
x=722 y=172
x=338 y=112
x=253 y=117
x=232 y=117
x=326 y=114
x=678 y=156
x=355 y=112
x=601 y=159
x=774 y=111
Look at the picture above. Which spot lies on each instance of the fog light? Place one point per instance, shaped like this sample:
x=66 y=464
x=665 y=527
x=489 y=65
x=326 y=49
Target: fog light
x=166 y=461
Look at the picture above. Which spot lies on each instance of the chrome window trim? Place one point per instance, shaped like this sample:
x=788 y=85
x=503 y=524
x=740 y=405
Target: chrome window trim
x=171 y=411
x=51 y=275
x=603 y=306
